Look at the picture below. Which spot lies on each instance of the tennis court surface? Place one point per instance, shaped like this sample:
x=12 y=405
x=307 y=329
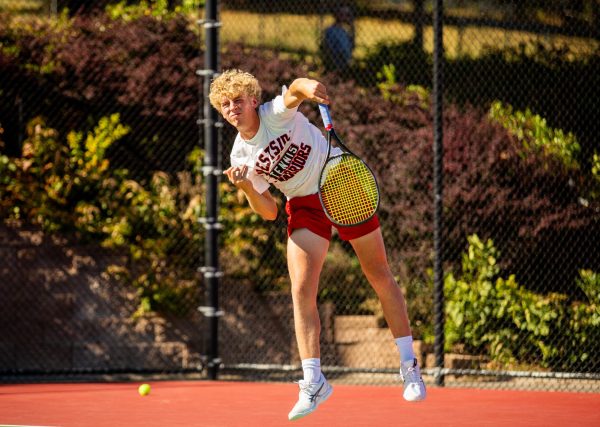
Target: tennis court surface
x=224 y=403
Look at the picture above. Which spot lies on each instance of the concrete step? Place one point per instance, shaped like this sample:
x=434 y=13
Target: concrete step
x=355 y=322
x=458 y=361
x=363 y=335
x=368 y=354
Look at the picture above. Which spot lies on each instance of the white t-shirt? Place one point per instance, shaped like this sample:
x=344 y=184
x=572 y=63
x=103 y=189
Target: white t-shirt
x=287 y=151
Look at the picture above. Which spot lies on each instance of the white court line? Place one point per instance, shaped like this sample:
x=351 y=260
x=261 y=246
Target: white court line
x=19 y=425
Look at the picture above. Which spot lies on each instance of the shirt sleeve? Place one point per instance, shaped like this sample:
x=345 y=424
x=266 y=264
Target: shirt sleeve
x=275 y=112
x=258 y=182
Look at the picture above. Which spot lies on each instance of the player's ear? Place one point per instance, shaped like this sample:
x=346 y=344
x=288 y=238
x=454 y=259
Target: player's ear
x=254 y=102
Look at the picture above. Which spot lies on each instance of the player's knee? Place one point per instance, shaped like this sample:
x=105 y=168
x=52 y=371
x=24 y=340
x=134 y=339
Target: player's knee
x=382 y=280
x=304 y=290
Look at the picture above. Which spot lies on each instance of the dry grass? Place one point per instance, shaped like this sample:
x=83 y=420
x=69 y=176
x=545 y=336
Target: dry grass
x=294 y=32
x=302 y=32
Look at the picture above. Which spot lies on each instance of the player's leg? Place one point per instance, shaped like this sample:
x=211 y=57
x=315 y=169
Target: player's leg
x=306 y=253
x=370 y=250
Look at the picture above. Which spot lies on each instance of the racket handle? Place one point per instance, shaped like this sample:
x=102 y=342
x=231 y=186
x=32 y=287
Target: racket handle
x=324 y=109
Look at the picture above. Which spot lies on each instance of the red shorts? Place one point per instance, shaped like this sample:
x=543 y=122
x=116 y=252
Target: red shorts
x=307 y=212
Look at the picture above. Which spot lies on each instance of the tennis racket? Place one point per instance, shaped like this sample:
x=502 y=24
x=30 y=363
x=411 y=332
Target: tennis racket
x=348 y=190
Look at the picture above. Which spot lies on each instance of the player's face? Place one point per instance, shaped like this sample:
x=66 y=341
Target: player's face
x=240 y=111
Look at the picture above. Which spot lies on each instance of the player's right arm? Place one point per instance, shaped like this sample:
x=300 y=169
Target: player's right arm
x=302 y=89
x=262 y=203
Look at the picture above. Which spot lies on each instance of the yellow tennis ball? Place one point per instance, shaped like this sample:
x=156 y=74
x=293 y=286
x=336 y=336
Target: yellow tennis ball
x=144 y=389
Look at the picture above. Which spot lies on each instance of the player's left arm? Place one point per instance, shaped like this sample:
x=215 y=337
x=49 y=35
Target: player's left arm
x=302 y=89
x=262 y=203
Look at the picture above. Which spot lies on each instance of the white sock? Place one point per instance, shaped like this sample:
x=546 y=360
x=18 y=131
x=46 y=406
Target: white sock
x=405 y=347
x=312 y=370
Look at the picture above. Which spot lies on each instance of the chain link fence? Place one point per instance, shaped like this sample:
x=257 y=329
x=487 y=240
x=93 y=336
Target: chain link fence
x=102 y=191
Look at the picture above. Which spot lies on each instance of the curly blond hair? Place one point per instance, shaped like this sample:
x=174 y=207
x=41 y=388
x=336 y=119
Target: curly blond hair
x=231 y=84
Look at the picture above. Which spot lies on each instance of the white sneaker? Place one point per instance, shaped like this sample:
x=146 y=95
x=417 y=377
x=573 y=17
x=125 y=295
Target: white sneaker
x=311 y=395
x=414 y=387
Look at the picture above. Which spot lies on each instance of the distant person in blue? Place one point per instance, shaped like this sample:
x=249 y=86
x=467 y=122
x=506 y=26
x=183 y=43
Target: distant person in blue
x=337 y=44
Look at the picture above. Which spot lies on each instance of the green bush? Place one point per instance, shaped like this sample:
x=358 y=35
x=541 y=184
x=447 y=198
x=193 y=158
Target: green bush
x=392 y=91
x=496 y=317
x=157 y=8
x=584 y=323
x=71 y=188
x=52 y=179
x=535 y=134
x=554 y=146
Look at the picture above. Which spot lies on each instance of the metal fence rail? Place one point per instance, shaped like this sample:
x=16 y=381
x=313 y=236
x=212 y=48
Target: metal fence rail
x=106 y=181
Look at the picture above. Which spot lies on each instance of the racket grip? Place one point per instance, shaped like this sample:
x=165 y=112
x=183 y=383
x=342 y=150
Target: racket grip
x=324 y=109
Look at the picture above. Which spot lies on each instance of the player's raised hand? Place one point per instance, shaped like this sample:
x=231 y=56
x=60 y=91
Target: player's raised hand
x=304 y=88
x=315 y=91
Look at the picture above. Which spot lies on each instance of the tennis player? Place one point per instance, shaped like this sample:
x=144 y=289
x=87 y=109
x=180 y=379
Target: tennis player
x=277 y=145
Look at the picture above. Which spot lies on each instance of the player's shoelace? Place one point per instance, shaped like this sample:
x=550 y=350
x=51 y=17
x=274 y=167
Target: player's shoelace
x=305 y=388
x=409 y=375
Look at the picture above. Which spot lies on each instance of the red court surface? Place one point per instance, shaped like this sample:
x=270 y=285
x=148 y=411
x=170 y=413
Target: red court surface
x=220 y=403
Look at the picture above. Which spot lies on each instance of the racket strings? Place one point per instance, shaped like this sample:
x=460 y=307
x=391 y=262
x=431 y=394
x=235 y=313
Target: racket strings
x=348 y=190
